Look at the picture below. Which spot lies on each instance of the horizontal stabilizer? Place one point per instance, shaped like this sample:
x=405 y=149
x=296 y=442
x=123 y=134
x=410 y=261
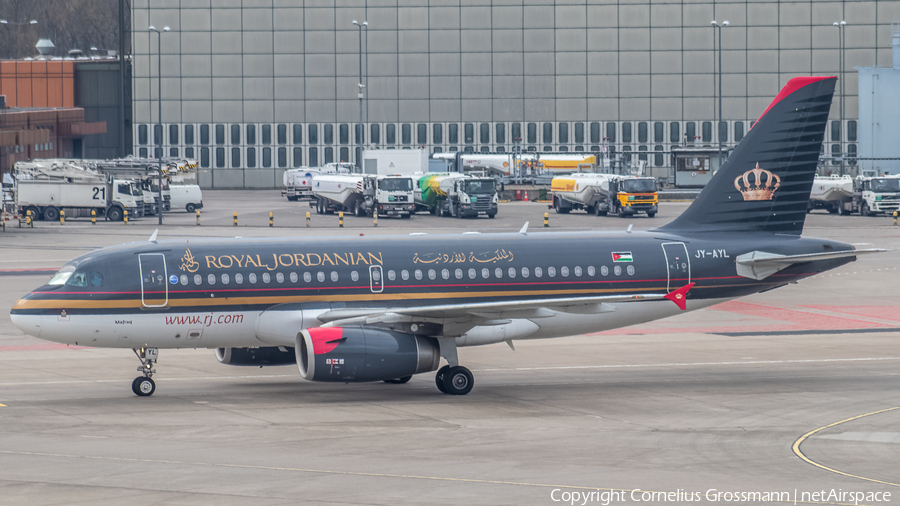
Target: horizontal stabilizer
x=760 y=264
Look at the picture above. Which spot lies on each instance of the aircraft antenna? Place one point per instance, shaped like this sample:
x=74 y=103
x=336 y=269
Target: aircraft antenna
x=630 y=226
x=153 y=237
x=524 y=230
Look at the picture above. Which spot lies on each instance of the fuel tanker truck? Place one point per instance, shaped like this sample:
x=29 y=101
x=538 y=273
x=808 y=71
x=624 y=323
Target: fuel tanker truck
x=602 y=194
x=363 y=194
x=457 y=195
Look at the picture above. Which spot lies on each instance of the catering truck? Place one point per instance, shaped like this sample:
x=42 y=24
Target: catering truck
x=363 y=194
x=45 y=191
x=457 y=195
x=602 y=194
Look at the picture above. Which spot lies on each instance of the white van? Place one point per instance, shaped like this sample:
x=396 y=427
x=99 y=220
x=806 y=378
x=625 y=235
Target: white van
x=187 y=197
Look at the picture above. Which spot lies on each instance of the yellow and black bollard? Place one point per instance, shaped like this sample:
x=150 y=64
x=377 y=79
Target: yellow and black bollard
x=895 y=218
x=198 y=217
x=93 y=217
x=341 y=219
x=271 y=219
x=235 y=218
x=307 y=219
x=375 y=216
x=62 y=216
x=28 y=219
x=546 y=220
x=125 y=217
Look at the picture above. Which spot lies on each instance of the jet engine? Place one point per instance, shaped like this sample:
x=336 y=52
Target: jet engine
x=355 y=354
x=269 y=355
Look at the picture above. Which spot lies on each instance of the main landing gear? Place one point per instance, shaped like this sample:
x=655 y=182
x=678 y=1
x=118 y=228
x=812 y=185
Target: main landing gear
x=144 y=386
x=453 y=379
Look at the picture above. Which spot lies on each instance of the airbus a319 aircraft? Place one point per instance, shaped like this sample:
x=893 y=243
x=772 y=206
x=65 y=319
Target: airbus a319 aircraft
x=359 y=309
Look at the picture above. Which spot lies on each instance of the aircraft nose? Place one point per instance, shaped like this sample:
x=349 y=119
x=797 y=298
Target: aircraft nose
x=27 y=323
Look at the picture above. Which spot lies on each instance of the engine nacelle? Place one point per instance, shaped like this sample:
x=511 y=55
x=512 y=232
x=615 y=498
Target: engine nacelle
x=354 y=354
x=269 y=355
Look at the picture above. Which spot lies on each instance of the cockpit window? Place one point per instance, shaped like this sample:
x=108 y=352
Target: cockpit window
x=78 y=279
x=62 y=275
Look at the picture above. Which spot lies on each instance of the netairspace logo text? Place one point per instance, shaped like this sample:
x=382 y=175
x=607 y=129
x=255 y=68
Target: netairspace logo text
x=637 y=496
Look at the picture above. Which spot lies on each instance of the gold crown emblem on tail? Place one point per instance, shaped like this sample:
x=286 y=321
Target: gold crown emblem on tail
x=757 y=184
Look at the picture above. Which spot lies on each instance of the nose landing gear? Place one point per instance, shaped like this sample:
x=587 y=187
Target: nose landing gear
x=144 y=386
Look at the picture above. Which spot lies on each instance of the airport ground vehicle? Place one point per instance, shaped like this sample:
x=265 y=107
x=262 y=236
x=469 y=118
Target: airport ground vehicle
x=297 y=183
x=601 y=194
x=528 y=167
x=873 y=195
x=830 y=193
x=395 y=161
x=364 y=194
x=46 y=189
x=457 y=195
x=188 y=197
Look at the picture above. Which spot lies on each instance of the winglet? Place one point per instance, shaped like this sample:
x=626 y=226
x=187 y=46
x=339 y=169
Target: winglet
x=679 y=297
x=153 y=237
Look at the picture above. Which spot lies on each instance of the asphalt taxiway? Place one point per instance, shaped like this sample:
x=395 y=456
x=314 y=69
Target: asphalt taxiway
x=791 y=391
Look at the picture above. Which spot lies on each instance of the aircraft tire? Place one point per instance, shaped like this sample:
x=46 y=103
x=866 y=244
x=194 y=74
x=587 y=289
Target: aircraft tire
x=143 y=387
x=439 y=378
x=458 y=381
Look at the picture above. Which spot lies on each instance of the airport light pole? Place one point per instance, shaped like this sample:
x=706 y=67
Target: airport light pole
x=159 y=203
x=715 y=26
x=840 y=26
x=362 y=86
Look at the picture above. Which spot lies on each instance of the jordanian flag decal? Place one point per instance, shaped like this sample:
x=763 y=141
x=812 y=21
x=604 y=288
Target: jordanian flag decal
x=622 y=256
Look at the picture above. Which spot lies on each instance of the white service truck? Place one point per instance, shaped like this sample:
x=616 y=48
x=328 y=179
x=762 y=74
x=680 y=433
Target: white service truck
x=395 y=161
x=45 y=198
x=364 y=194
x=873 y=195
x=602 y=194
x=830 y=193
x=297 y=183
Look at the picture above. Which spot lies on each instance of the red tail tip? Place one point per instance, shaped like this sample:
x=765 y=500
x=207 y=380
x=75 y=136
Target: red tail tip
x=679 y=297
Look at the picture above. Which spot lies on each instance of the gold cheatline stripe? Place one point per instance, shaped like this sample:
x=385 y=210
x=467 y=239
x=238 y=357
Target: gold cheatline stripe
x=222 y=301
x=799 y=453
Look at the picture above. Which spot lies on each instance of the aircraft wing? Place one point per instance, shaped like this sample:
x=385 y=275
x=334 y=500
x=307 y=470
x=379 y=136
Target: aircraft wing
x=461 y=317
x=760 y=264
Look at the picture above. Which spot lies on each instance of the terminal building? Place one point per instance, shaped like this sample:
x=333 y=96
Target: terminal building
x=253 y=87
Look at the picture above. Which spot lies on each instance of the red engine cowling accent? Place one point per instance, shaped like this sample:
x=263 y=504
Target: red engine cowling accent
x=355 y=354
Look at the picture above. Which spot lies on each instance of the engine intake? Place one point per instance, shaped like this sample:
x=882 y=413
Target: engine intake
x=355 y=354
x=269 y=355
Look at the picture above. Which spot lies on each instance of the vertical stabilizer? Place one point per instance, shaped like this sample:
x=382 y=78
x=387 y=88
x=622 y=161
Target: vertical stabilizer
x=764 y=185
